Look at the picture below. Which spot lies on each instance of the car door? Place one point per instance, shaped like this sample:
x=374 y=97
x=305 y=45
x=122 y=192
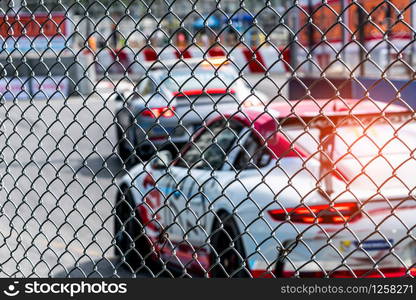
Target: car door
x=193 y=185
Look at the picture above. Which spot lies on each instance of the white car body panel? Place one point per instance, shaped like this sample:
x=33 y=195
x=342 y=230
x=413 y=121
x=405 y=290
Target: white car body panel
x=286 y=183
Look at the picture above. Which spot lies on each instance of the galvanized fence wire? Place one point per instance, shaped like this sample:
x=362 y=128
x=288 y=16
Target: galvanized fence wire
x=207 y=138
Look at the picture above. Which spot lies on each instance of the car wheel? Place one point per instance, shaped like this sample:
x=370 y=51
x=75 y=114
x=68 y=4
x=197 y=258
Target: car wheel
x=145 y=152
x=122 y=147
x=228 y=254
x=133 y=247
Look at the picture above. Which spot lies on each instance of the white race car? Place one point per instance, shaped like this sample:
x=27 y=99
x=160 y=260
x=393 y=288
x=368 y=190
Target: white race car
x=307 y=188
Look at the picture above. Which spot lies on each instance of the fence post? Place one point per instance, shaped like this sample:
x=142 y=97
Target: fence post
x=361 y=38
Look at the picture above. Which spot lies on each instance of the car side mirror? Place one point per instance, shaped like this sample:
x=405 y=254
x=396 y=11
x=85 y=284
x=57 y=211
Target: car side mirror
x=162 y=160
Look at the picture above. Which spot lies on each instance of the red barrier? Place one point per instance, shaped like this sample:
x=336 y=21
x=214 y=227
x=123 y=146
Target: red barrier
x=150 y=54
x=184 y=53
x=216 y=51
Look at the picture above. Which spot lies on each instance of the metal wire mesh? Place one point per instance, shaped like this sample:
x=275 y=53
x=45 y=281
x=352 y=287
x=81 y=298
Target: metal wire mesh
x=183 y=138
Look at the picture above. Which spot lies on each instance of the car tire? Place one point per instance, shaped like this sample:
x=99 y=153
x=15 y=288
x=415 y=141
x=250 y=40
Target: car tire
x=122 y=147
x=227 y=255
x=145 y=152
x=132 y=246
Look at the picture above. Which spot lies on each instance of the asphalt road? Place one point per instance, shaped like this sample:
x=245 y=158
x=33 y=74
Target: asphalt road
x=58 y=185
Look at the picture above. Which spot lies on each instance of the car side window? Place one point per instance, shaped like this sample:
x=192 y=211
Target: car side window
x=253 y=154
x=211 y=148
x=146 y=87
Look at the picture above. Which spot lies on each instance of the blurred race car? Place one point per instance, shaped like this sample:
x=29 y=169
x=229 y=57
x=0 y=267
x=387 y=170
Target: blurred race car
x=174 y=99
x=307 y=188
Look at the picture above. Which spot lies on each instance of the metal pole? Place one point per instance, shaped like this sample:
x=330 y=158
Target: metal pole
x=361 y=38
x=311 y=40
x=413 y=40
x=294 y=20
x=343 y=31
x=388 y=33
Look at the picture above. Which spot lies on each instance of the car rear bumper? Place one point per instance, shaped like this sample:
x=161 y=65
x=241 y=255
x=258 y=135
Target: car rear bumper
x=286 y=270
x=335 y=252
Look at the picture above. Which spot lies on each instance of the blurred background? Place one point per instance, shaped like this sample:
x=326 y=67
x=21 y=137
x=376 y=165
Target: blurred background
x=340 y=37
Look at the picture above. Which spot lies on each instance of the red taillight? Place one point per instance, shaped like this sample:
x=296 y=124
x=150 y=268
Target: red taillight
x=323 y=214
x=156 y=112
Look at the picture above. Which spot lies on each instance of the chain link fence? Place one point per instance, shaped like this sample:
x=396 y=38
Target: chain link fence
x=182 y=138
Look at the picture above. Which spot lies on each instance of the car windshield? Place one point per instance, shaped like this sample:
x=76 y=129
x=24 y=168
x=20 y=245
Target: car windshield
x=202 y=77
